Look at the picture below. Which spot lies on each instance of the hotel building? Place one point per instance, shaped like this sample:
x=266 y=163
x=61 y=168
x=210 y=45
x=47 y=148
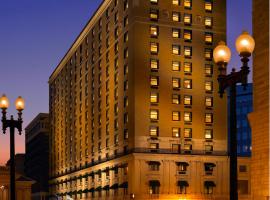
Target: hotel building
x=134 y=105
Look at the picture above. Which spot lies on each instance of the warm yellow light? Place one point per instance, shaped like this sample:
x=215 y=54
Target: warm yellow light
x=222 y=53
x=4 y=102
x=245 y=44
x=19 y=103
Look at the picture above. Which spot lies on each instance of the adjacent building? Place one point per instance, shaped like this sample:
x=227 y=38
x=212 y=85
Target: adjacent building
x=19 y=163
x=23 y=185
x=37 y=155
x=134 y=105
x=244 y=105
x=259 y=119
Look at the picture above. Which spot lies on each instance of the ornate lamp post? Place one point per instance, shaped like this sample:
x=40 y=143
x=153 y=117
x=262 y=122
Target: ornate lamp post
x=244 y=45
x=12 y=124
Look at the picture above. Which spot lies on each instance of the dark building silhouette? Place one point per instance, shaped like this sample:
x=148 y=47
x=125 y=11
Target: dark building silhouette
x=19 y=163
x=244 y=105
x=36 y=160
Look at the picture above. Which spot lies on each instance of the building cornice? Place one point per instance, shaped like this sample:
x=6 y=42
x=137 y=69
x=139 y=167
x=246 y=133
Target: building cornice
x=90 y=24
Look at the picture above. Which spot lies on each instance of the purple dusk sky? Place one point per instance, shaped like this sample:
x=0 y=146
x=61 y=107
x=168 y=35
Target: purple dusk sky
x=35 y=35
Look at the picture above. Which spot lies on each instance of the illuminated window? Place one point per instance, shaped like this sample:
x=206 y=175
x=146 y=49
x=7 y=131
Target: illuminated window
x=153 y=131
x=154 y=1
x=153 y=165
x=116 y=48
x=209 y=86
x=208 y=69
x=187 y=51
x=176 y=83
x=208 y=118
x=176 y=2
x=176 y=16
x=126 y=53
x=187 y=133
x=208 y=22
x=187 y=116
x=208 y=38
x=187 y=67
x=154 y=31
x=154 y=48
x=154 y=14
x=154 y=81
x=154 y=114
x=176 y=98
x=187 y=83
x=176 y=116
x=208 y=54
x=208 y=134
x=116 y=32
x=182 y=187
x=154 y=97
x=126 y=37
x=208 y=148
x=187 y=100
x=187 y=35
x=208 y=5
x=187 y=147
x=176 y=132
x=154 y=64
x=126 y=5
x=175 y=65
x=175 y=33
x=187 y=19
x=125 y=21
x=209 y=101
x=176 y=49
x=153 y=145
x=188 y=4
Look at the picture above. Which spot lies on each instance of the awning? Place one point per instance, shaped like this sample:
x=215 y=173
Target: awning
x=85 y=176
x=98 y=188
x=79 y=192
x=106 y=187
x=123 y=165
x=114 y=168
x=182 y=183
x=209 y=164
x=154 y=183
x=92 y=174
x=106 y=169
x=85 y=191
x=123 y=185
x=98 y=172
x=91 y=190
x=209 y=184
x=114 y=186
x=182 y=163
x=153 y=163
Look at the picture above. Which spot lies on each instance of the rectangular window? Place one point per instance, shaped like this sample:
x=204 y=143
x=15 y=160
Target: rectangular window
x=175 y=65
x=208 y=22
x=176 y=132
x=154 y=15
x=176 y=98
x=154 y=97
x=187 y=52
x=208 y=148
x=208 y=86
x=187 y=19
x=187 y=147
x=188 y=84
x=154 y=165
x=208 y=134
x=176 y=83
x=209 y=101
x=188 y=4
x=154 y=48
x=208 y=54
x=176 y=49
x=187 y=133
x=154 y=64
x=208 y=5
x=153 y=146
x=154 y=1
x=208 y=38
x=175 y=33
x=187 y=100
x=187 y=117
x=176 y=16
x=187 y=35
x=176 y=116
x=153 y=131
x=208 y=69
x=154 y=114
x=176 y=2
x=154 y=31
x=187 y=67
x=208 y=118
x=154 y=81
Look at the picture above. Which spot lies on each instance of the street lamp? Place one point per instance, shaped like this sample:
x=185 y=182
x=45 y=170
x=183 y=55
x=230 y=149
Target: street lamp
x=12 y=124
x=245 y=46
